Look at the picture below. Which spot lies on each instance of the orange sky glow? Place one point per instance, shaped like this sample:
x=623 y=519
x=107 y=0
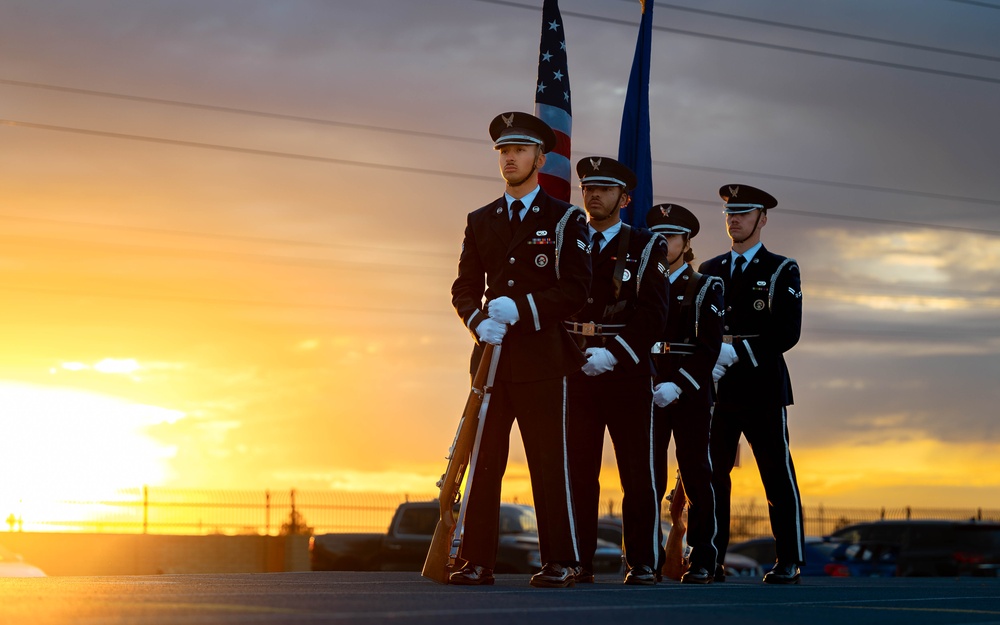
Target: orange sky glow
x=225 y=258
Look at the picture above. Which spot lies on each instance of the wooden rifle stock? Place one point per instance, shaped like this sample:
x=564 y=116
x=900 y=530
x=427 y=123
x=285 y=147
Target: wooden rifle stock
x=438 y=563
x=674 y=564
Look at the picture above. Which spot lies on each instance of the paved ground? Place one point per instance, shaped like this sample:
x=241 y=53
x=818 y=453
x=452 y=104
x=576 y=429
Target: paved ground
x=406 y=598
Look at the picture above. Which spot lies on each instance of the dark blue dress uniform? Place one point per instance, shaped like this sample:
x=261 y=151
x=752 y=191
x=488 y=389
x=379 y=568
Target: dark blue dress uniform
x=763 y=320
x=685 y=355
x=626 y=309
x=544 y=267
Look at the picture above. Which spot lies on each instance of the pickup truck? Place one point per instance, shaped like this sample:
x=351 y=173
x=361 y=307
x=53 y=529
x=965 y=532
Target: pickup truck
x=405 y=545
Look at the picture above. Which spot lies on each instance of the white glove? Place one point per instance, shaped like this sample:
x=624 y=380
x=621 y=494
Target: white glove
x=666 y=393
x=717 y=372
x=599 y=360
x=504 y=310
x=727 y=355
x=490 y=331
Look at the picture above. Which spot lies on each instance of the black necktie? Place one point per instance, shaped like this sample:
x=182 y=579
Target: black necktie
x=738 y=267
x=515 y=215
x=595 y=245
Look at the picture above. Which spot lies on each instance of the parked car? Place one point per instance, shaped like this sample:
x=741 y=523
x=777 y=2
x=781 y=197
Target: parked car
x=931 y=547
x=609 y=528
x=404 y=546
x=818 y=550
x=862 y=560
x=13 y=565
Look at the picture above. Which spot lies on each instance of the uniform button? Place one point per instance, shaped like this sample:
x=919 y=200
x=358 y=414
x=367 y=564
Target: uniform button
x=729 y=308
x=726 y=327
x=590 y=300
x=510 y=283
x=511 y=260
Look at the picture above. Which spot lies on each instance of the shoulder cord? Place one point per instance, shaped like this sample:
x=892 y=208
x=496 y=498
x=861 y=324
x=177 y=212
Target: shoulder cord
x=561 y=232
x=774 y=281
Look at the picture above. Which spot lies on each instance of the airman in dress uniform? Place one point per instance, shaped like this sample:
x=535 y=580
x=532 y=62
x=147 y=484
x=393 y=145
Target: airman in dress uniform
x=613 y=391
x=763 y=321
x=528 y=255
x=684 y=391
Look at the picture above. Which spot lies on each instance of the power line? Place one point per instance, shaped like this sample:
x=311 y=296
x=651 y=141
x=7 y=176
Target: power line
x=236 y=111
x=414 y=170
x=216 y=235
x=890 y=222
x=447 y=137
x=815 y=215
x=977 y=3
x=256 y=152
x=224 y=301
x=758 y=44
x=830 y=183
x=214 y=255
x=831 y=33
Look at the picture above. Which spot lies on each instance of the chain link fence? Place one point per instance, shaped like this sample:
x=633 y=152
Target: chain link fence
x=153 y=510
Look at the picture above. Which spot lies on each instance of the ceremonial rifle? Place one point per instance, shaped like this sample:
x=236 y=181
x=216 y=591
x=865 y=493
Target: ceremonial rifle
x=674 y=564
x=447 y=537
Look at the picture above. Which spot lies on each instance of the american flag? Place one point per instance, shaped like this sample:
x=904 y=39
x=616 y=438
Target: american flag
x=552 y=101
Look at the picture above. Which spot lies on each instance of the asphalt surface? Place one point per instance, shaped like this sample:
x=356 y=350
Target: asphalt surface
x=407 y=598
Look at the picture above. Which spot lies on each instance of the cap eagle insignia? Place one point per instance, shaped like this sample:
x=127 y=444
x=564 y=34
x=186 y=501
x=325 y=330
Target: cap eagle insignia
x=596 y=164
x=508 y=120
x=666 y=210
x=733 y=192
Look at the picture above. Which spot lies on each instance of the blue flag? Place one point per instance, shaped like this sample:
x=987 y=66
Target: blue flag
x=552 y=101
x=633 y=144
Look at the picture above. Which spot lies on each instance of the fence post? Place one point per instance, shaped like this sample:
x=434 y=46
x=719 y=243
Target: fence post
x=145 y=509
x=267 y=512
x=908 y=513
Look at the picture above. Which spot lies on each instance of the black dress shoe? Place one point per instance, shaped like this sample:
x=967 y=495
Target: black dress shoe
x=554 y=575
x=720 y=573
x=641 y=575
x=472 y=575
x=583 y=575
x=782 y=574
x=698 y=575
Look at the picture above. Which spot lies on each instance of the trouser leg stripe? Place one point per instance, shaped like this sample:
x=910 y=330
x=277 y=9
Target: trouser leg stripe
x=569 y=497
x=799 y=538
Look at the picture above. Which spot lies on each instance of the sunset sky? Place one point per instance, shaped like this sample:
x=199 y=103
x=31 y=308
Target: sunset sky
x=228 y=228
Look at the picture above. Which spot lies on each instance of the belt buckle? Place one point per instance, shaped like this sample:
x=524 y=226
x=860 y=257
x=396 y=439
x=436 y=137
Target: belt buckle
x=589 y=328
x=727 y=339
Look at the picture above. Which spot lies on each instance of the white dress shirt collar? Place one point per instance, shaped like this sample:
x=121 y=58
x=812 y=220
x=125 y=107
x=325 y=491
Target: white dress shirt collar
x=676 y=274
x=749 y=254
x=608 y=234
x=527 y=200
